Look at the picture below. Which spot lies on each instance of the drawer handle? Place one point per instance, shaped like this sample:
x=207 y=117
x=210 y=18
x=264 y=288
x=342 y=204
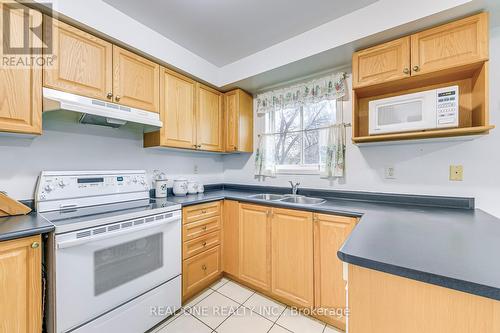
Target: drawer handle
x=204 y=267
x=204 y=243
x=204 y=228
x=204 y=211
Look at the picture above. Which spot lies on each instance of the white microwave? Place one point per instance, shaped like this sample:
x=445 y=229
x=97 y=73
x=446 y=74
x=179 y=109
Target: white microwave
x=425 y=110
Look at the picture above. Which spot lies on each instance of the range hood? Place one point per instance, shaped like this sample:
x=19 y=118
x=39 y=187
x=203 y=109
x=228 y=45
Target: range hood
x=97 y=112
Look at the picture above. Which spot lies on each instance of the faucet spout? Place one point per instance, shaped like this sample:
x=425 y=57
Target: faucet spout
x=295 y=187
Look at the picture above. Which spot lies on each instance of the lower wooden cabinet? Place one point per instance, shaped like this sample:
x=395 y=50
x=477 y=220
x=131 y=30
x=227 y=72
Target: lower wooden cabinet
x=292 y=256
x=200 y=270
x=230 y=227
x=255 y=246
x=21 y=285
x=201 y=247
x=330 y=232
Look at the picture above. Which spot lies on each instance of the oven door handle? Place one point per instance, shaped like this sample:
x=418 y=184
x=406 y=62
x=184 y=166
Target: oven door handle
x=111 y=234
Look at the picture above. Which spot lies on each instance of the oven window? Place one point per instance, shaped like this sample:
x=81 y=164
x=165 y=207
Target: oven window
x=125 y=262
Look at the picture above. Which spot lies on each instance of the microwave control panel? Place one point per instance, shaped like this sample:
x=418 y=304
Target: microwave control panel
x=447 y=107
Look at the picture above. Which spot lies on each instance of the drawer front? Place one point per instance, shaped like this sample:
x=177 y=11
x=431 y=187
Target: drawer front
x=200 y=228
x=200 y=244
x=200 y=212
x=200 y=270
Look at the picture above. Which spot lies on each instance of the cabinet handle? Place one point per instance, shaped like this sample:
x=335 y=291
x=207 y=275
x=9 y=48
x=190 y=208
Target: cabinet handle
x=204 y=243
x=416 y=68
x=196 y=146
x=109 y=95
x=235 y=148
x=204 y=228
x=199 y=146
x=204 y=267
x=203 y=211
x=117 y=98
x=35 y=245
x=406 y=71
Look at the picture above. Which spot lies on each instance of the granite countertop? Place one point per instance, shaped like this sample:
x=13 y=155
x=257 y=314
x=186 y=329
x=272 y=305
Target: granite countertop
x=450 y=247
x=437 y=240
x=23 y=226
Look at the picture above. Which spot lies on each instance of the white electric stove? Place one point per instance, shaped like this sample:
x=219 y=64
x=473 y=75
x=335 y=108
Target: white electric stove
x=114 y=260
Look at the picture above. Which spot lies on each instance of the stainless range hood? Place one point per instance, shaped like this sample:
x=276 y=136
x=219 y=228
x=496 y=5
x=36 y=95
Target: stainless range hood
x=97 y=112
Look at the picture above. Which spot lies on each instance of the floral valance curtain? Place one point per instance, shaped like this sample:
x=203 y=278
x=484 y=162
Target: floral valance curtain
x=325 y=88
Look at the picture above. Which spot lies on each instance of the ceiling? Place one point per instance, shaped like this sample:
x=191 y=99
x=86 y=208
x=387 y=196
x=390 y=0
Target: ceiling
x=223 y=31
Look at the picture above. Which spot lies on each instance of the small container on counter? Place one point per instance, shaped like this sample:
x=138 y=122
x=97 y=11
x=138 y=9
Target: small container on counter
x=201 y=188
x=180 y=187
x=192 y=187
x=161 y=182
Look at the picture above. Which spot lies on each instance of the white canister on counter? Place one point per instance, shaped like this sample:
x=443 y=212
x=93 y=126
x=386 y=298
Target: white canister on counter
x=180 y=187
x=161 y=187
x=192 y=187
x=201 y=188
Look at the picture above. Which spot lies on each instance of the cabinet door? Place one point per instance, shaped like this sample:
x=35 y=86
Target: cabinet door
x=255 y=245
x=230 y=241
x=21 y=87
x=330 y=232
x=386 y=62
x=136 y=80
x=21 y=285
x=231 y=115
x=83 y=62
x=458 y=43
x=238 y=114
x=199 y=271
x=209 y=119
x=177 y=110
x=292 y=256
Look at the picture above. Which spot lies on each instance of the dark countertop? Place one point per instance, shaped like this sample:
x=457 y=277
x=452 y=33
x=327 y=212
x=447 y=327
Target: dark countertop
x=450 y=247
x=23 y=226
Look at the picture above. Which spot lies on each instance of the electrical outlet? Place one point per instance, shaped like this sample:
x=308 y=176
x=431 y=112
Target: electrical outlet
x=390 y=172
x=195 y=169
x=456 y=172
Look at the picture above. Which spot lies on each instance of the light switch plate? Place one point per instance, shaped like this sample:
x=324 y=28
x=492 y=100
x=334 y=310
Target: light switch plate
x=456 y=172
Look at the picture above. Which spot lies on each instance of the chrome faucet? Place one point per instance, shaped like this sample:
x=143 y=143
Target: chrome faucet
x=295 y=187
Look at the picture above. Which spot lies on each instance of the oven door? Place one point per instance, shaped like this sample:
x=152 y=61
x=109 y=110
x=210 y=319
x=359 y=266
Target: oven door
x=411 y=112
x=109 y=265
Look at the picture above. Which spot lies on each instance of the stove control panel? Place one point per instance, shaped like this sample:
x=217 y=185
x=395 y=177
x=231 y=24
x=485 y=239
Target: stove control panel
x=67 y=185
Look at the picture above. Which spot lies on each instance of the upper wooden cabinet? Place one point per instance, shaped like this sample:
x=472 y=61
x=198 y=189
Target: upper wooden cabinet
x=21 y=88
x=381 y=63
x=209 y=119
x=447 y=46
x=238 y=113
x=292 y=256
x=330 y=232
x=21 y=285
x=83 y=62
x=451 y=45
x=135 y=80
x=177 y=112
x=255 y=245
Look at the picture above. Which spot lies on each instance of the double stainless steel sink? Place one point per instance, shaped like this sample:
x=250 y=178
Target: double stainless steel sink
x=289 y=198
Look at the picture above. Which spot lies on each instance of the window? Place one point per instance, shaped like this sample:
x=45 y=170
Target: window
x=298 y=136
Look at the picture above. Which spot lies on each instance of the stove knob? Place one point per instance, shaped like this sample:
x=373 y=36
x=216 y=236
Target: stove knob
x=42 y=196
x=134 y=180
x=49 y=188
x=62 y=183
x=143 y=182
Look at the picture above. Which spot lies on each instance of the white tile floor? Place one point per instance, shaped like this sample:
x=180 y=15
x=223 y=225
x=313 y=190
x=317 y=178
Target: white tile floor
x=227 y=307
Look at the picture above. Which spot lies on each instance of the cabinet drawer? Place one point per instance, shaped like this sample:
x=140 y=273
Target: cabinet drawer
x=200 y=212
x=200 y=228
x=200 y=270
x=200 y=244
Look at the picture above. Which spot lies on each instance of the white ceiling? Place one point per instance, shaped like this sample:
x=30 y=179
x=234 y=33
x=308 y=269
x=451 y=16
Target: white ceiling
x=223 y=31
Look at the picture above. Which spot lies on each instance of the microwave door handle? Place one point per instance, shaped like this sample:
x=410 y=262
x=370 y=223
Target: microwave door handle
x=75 y=242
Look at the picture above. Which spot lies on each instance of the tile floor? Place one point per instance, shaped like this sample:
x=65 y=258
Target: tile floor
x=227 y=307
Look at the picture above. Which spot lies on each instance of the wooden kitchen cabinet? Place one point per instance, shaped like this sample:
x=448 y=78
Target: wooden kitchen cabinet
x=136 y=80
x=200 y=270
x=83 y=63
x=255 y=246
x=230 y=238
x=330 y=232
x=454 y=44
x=21 y=88
x=238 y=114
x=21 y=285
x=209 y=119
x=292 y=256
x=381 y=63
